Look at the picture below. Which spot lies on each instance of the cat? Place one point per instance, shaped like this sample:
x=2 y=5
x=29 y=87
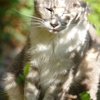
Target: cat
x=63 y=50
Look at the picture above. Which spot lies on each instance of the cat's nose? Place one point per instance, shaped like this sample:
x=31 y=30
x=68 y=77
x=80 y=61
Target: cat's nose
x=54 y=23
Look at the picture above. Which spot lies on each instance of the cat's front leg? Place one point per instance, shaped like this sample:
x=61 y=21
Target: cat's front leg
x=31 y=90
x=89 y=73
x=58 y=90
x=56 y=93
x=13 y=89
x=52 y=92
x=64 y=95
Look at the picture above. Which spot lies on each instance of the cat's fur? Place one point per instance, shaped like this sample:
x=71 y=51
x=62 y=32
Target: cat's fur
x=63 y=51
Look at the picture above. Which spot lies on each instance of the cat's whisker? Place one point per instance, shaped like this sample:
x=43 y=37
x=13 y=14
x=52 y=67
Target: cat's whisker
x=38 y=21
x=39 y=27
x=37 y=24
x=23 y=14
x=34 y=23
x=33 y=17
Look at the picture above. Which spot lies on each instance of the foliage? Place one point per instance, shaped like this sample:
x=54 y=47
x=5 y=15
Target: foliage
x=26 y=69
x=85 y=96
x=94 y=16
x=13 y=26
x=22 y=76
x=13 y=31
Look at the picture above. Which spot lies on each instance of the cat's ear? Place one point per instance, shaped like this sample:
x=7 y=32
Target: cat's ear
x=36 y=1
x=85 y=6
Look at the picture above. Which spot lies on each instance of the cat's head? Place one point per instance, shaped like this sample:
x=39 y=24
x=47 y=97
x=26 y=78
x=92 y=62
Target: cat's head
x=57 y=15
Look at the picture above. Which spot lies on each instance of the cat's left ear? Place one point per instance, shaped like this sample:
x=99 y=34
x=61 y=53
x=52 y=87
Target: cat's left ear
x=85 y=6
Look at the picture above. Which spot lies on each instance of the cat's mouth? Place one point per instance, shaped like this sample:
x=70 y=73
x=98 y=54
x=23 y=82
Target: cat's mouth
x=55 y=25
x=56 y=30
x=53 y=31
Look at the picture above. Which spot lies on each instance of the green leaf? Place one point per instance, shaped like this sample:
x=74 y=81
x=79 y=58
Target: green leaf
x=85 y=96
x=20 y=78
x=26 y=69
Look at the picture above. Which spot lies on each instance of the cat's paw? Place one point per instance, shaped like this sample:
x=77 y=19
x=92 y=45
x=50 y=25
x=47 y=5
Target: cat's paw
x=31 y=96
x=31 y=92
x=66 y=96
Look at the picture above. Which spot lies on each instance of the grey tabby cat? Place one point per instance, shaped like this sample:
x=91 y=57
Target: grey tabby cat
x=63 y=50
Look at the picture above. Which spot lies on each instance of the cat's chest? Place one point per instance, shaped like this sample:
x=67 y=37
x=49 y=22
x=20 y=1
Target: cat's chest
x=51 y=54
x=53 y=51
x=51 y=61
x=48 y=48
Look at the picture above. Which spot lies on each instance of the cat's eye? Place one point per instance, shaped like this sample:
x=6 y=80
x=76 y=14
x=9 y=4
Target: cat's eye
x=49 y=9
x=76 y=5
x=67 y=18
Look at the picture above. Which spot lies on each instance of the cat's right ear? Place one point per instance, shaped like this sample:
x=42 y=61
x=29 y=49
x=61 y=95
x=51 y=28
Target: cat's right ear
x=36 y=2
x=86 y=6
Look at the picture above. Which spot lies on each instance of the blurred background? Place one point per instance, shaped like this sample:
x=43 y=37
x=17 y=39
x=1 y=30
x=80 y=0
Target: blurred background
x=14 y=27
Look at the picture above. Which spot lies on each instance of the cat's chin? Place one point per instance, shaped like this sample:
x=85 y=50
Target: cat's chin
x=56 y=31
x=53 y=31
